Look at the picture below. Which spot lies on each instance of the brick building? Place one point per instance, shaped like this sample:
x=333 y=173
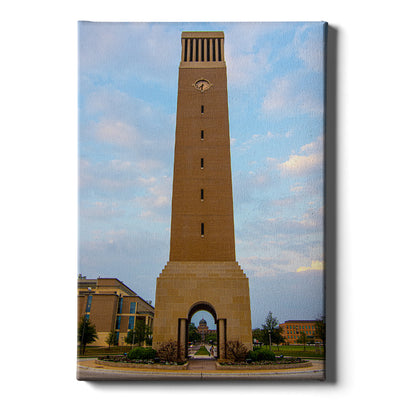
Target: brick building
x=111 y=305
x=292 y=329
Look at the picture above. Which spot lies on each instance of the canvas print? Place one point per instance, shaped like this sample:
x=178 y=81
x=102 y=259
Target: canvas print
x=201 y=202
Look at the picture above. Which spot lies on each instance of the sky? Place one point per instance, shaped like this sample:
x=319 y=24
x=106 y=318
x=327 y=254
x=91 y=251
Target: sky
x=128 y=78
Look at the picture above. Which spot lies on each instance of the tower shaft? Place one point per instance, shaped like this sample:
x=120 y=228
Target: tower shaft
x=202 y=227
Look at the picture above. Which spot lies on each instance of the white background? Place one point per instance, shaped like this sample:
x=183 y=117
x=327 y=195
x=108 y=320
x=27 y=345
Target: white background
x=39 y=197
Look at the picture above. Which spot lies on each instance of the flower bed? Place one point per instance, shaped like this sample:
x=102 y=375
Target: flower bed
x=125 y=362
x=287 y=363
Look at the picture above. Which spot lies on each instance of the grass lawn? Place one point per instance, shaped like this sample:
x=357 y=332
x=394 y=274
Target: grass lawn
x=298 y=351
x=94 y=351
x=202 y=351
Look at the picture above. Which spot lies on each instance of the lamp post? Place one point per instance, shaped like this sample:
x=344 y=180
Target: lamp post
x=269 y=334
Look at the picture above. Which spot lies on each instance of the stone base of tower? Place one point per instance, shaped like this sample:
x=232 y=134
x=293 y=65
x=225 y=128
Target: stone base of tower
x=220 y=288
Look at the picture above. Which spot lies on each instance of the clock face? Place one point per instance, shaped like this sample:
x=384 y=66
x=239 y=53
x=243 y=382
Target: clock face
x=202 y=84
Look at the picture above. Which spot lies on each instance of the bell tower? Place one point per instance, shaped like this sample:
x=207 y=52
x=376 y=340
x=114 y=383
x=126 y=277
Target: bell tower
x=202 y=206
x=202 y=272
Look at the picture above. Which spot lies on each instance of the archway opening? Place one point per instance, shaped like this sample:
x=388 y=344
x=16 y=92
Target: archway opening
x=202 y=330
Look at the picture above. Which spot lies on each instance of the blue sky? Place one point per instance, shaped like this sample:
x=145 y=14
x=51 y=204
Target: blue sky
x=128 y=75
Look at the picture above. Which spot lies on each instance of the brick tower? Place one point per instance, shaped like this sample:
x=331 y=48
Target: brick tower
x=202 y=273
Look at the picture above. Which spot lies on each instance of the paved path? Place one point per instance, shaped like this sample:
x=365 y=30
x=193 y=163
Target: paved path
x=202 y=364
x=89 y=371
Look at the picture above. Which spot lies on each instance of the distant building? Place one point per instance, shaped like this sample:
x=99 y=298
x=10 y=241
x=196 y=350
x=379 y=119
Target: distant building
x=203 y=329
x=111 y=305
x=292 y=329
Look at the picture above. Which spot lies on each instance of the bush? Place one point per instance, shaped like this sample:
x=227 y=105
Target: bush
x=168 y=351
x=142 y=353
x=236 y=351
x=262 y=355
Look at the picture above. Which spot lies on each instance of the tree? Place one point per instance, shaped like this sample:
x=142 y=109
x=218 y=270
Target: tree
x=267 y=328
x=112 y=339
x=142 y=332
x=302 y=339
x=130 y=337
x=194 y=335
x=211 y=336
x=258 y=335
x=276 y=336
x=86 y=333
x=320 y=330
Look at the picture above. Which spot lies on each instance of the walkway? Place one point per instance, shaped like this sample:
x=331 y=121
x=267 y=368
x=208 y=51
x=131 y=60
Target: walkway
x=202 y=364
x=193 y=349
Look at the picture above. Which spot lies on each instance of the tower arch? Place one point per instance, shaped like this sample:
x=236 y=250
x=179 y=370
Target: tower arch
x=183 y=329
x=202 y=306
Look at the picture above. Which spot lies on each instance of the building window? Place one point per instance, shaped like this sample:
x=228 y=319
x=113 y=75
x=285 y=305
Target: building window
x=202 y=229
x=202 y=109
x=201 y=194
x=132 y=308
x=202 y=163
x=202 y=135
x=89 y=303
x=118 y=323
x=116 y=338
x=120 y=305
x=131 y=322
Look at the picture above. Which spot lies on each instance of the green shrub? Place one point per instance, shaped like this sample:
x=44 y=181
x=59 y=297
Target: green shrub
x=142 y=353
x=262 y=355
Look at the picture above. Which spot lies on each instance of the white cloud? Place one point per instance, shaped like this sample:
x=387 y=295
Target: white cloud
x=148 y=181
x=294 y=94
x=315 y=266
x=313 y=147
x=101 y=210
x=150 y=165
x=313 y=218
x=117 y=49
x=278 y=96
x=309 y=47
x=107 y=178
x=296 y=188
x=156 y=202
x=248 y=52
x=245 y=68
x=120 y=165
x=115 y=132
x=300 y=165
x=308 y=161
